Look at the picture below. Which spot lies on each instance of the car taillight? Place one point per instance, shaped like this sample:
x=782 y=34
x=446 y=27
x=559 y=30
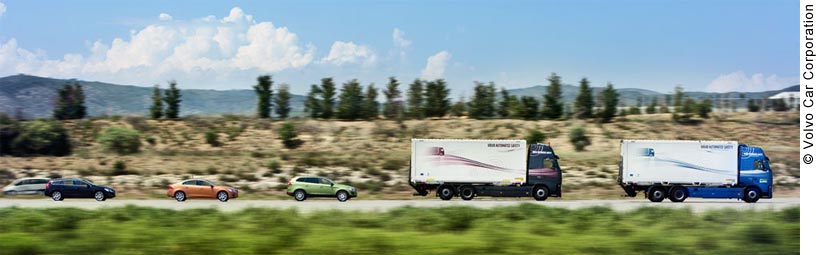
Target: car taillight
x=170 y=188
x=290 y=183
x=48 y=184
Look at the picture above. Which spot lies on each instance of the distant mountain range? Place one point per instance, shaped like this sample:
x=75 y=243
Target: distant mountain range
x=34 y=97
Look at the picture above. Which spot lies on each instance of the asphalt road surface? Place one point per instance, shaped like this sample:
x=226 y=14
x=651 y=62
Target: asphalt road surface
x=696 y=205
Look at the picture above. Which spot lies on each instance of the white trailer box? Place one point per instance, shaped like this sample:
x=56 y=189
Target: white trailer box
x=499 y=162
x=647 y=162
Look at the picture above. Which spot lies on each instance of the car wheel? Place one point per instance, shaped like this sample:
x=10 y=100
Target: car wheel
x=342 y=196
x=99 y=196
x=300 y=195
x=56 y=195
x=656 y=194
x=467 y=192
x=222 y=196
x=751 y=194
x=180 y=196
x=678 y=194
x=541 y=193
x=446 y=193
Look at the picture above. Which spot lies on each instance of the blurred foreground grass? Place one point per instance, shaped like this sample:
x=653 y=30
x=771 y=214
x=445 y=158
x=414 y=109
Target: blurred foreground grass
x=525 y=229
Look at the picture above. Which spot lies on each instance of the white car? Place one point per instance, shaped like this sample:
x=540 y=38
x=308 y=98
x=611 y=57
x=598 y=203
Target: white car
x=26 y=186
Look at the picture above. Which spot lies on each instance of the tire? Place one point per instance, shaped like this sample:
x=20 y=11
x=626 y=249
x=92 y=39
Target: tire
x=180 y=196
x=342 y=196
x=99 y=196
x=300 y=195
x=656 y=194
x=222 y=196
x=467 y=192
x=678 y=194
x=751 y=195
x=541 y=193
x=57 y=196
x=446 y=193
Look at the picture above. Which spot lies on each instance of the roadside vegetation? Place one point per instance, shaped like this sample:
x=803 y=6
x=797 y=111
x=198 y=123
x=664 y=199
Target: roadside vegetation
x=523 y=229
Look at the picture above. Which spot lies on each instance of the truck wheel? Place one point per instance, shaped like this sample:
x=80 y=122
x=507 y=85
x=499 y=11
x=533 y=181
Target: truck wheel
x=751 y=194
x=657 y=194
x=541 y=193
x=678 y=194
x=446 y=193
x=467 y=192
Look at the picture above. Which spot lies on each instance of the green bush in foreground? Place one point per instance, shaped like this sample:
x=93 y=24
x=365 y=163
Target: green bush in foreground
x=120 y=140
x=524 y=229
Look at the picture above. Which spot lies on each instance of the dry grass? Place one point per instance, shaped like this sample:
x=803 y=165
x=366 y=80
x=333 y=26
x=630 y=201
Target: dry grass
x=375 y=155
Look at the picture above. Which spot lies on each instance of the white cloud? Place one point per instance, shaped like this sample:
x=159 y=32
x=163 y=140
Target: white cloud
x=399 y=39
x=348 y=52
x=165 y=17
x=2 y=9
x=739 y=81
x=199 y=49
x=436 y=66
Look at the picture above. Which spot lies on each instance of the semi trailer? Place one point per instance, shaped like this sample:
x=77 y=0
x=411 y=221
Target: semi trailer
x=705 y=169
x=498 y=168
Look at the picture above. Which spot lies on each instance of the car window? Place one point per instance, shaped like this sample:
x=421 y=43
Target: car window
x=301 y=180
x=189 y=183
x=78 y=183
x=325 y=181
x=39 y=181
x=204 y=183
x=18 y=183
x=759 y=165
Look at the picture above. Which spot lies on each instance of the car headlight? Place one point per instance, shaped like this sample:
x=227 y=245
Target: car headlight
x=352 y=189
x=109 y=190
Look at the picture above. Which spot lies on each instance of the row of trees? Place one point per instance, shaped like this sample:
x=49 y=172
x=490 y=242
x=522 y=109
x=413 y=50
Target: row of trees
x=167 y=106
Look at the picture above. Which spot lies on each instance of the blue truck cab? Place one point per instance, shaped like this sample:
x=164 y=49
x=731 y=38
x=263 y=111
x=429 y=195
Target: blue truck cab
x=755 y=171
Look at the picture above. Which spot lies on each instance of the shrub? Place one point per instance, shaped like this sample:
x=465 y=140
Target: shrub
x=579 y=139
x=212 y=138
x=274 y=166
x=288 y=135
x=534 y=136
x=120 y=140
x=138 y=123
x=120 y=168
x=40 y=137
x=392 y=164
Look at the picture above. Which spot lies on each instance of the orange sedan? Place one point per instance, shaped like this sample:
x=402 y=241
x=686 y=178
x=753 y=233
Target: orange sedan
x=201 y=189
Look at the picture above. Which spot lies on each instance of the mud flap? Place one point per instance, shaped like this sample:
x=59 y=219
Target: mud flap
x=628 y=190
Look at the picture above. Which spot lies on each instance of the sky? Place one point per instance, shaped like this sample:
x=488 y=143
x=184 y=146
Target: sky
x=713 y=46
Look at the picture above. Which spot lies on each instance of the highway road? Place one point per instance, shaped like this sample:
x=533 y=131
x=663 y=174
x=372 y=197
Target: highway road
x=696 y=205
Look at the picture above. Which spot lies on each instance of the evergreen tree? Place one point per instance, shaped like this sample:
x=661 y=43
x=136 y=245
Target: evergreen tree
x=610 y=99
x=752 y=106
x=156 y=105
x=437 y=98
x=391 y=109
x=528 y=108
x=552 y=108
x=70 y=102
x=584 y=104
x=482 y=103
x=282 y=101
x=651 y=109
x=459 y=108
x=371 y=103
x=312 y=105
x=677 y=99
x=78 y=110
x=505 y=108
x=416 y=100
x=327 y=98
x=704 y=108
x=513 y=106
x=350 y=101
x=264 y=92
x=173 y=97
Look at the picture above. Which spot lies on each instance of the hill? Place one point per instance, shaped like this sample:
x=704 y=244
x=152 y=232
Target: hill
x=34 y=96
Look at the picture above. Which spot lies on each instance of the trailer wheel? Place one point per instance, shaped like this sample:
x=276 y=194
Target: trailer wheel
x=657 y=194
x=446 y=192
x=467 y=192
x=751 y=194
x=678 y=194
x=541 y=193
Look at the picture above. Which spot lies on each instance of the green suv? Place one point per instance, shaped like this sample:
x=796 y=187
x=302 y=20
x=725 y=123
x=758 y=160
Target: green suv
x=303 y=186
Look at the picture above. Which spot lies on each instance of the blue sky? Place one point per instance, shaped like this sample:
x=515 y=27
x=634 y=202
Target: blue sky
x=701 y=45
